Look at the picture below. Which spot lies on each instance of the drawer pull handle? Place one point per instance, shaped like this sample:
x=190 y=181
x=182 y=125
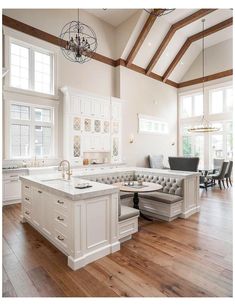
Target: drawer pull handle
x=27 y=213
x=60 y=218
x=60 y=238
x=14 y=175
x=27 y=199
x=39 y=191
x=26 y=187
x=60 y=202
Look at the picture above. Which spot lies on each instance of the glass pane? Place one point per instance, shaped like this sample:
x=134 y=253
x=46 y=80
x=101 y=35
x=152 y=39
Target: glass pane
x=217 y=102
x=42 y=114
x=187 y=146
x=229 y=145
x=229 y=99
x=199 y=149
x=198 y=105
x=43 y=140
x=229 y=126
x=20 y=112
x=217 y=146
x=19 y=140
x=42 y=72
x=187 y=107
x=19 y=68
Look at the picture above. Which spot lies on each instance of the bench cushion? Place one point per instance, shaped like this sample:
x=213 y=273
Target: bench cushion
x=124 y=195
x=128 y=212
x=161 y=197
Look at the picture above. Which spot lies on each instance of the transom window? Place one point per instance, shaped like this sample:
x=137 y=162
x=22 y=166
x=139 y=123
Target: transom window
x=31 y=69
x=192 y=105
x=221 y=100
x=148 y=124
x=31 y=131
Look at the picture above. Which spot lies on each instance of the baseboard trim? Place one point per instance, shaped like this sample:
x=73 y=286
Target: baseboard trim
x=190 y=212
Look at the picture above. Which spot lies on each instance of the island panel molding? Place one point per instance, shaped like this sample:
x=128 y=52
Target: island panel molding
x=173 y=29
x=218 y=27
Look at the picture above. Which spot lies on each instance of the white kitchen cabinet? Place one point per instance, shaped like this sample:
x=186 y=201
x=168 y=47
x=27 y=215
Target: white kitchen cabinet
x=37 y=196
x=11 y=187
x=92 y=123
x=116 y=130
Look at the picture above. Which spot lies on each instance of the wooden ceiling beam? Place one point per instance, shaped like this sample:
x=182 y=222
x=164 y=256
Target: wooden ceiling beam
x=218 y=27
x=144 y=32
x=175 y=27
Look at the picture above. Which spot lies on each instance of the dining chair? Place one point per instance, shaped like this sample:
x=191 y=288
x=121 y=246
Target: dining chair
x=221 y=175
x=228 y=173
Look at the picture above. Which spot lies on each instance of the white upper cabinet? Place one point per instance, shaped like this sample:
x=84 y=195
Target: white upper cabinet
x=92 y=123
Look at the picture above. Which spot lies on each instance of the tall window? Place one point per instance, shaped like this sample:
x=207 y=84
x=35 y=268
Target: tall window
x=218 y=110
x=31 y=131
x=31 y=69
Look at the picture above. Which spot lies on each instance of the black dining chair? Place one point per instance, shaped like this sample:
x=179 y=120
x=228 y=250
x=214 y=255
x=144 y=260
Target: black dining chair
x=221 y=175
x=228 y=173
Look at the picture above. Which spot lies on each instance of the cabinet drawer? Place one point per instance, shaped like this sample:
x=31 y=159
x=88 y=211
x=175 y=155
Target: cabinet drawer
x=27 y=211
x=27 y=189
x=127 y=227
x=26 y=199
x=61 y=204
x=61 y=220
x=61 y=239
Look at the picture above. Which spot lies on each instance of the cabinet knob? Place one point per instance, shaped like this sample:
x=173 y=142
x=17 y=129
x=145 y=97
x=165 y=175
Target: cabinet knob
x=27 y=199
x=60 y=202
x=60 y=218
x=27 y=212
x=60 y=238
x=39 y=191
x=26 y=187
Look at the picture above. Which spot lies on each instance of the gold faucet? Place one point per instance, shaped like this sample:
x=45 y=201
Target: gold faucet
x=68 y=171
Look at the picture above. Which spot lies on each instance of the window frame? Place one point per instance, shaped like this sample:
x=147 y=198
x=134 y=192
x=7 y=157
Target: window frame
x=32 y=48
x=153 y=120
x=31 y=123
x=223 y=118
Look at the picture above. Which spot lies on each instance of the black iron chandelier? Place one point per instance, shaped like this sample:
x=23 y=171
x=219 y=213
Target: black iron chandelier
x=78 y=41
x=159 y=12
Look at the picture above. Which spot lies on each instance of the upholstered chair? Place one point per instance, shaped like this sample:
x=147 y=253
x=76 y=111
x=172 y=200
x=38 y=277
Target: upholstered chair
x=228 y=173
x=221 y=175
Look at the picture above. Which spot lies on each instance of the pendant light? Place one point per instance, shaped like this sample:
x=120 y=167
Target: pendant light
x=205 y=125
x=78 y=41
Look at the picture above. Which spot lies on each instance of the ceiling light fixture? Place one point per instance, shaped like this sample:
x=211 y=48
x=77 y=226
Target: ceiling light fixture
x=78 y=41
x=205 y=125
x=159 y=12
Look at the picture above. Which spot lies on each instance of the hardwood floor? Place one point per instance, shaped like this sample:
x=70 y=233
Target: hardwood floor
x=188 y=258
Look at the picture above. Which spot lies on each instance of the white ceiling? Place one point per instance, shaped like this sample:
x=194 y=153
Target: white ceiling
x=160 y=29
x=113 y=16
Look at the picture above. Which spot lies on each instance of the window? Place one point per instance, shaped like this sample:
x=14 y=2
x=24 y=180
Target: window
x=31 y=131
x=148 y=124
x=192 y=105
x=217 y=106
x=221 y=100
x=31 y=69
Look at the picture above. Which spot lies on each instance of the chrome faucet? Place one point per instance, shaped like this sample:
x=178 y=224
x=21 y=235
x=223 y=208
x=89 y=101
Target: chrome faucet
x=68 y=171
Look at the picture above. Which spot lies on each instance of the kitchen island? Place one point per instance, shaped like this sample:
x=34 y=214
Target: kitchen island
x=82 y=223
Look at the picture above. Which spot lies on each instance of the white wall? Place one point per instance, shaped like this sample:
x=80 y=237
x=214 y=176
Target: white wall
x=149 y=97
x=217 y=58
x=138 y=91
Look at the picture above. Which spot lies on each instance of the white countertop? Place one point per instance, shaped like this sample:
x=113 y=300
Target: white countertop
x=55 y=184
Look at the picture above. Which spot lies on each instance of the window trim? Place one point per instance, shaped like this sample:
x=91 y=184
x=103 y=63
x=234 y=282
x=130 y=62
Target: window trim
x=12 y=36
x=31 y=123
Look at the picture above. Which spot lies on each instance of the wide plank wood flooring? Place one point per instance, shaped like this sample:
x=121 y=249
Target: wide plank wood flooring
x=183 y=258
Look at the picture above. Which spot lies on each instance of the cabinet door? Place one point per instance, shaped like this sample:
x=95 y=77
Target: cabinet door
x=37 y=206
x=11 y=190
x=47 y=213
x=86 y=105
x=116 y=108
x=75 y=104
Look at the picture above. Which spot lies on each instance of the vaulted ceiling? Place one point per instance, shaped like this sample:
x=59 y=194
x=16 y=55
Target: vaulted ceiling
x=168 y=45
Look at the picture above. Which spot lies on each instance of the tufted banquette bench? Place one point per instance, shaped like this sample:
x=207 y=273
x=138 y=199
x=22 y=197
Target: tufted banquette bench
x=165 y=204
